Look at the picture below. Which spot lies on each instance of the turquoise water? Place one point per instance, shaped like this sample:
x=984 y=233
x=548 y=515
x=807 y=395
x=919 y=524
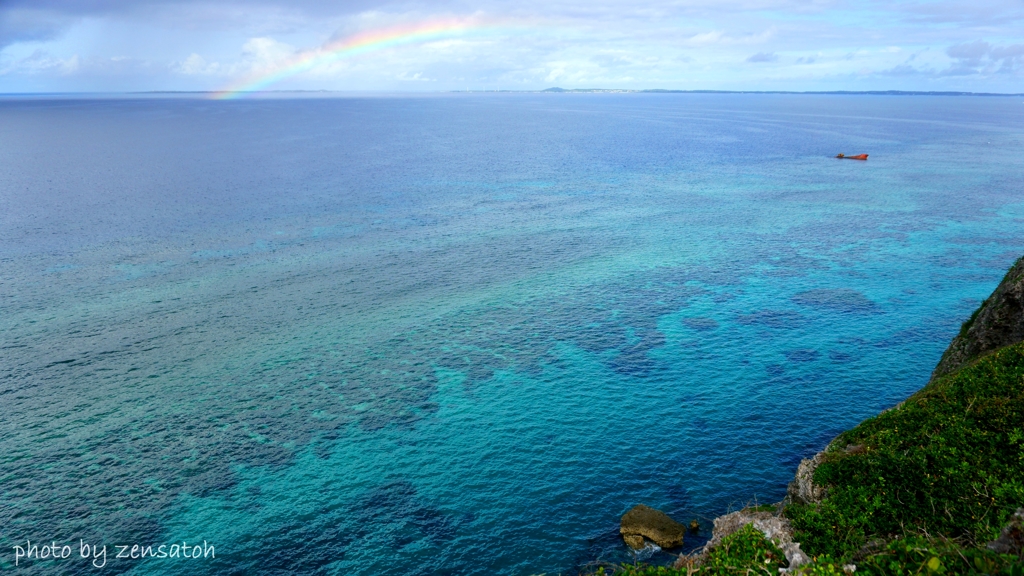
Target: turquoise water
x=464 y=334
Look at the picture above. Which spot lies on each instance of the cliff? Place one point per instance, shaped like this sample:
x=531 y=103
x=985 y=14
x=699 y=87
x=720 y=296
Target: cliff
x=932 y=486
x=997 y=323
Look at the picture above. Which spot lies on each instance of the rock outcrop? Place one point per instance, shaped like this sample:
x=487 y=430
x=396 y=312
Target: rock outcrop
x=646 y=522
x=997 y=323
x=802 y=489
x=1011 y=539
x=774 y=526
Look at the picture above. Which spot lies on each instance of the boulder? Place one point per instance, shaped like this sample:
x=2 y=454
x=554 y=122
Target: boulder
x=634 y=541
x=646 y=522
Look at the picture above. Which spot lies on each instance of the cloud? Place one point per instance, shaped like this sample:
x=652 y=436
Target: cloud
x=1012 y=58
x=263 y=53
x=43 y=63
x=29 y=24
x=39 y=62
x=195 y=65
x=970 y=51
x=1004 y=52
x=980 y=57
x=40 y=20
x=98 y=8
x=704 y=39
x=205 y=44
x=763 y=57
x=903 y=70
x=718 y=37
x=978 y=13
x=417 y=77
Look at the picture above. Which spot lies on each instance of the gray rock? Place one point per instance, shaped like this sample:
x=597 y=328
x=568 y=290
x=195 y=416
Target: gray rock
x=802 y=489
x=774 y=527
x=794 y=555
x=1011 y=539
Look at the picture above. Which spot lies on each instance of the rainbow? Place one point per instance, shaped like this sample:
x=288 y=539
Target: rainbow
x=361 y=43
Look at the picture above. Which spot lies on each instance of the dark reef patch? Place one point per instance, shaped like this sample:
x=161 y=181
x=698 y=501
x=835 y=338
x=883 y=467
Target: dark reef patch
x=771 y=318
x=634 y=360
x=910 y=336
x=804 y=355
x=844 y=300
x=397 y=507
x=840 y=357
x=701 y=324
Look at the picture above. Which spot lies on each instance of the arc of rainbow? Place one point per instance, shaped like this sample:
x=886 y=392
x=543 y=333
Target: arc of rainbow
x=362 y=43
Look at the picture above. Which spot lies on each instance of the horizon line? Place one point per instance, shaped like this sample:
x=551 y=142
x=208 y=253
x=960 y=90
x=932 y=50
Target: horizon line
x=552 y=90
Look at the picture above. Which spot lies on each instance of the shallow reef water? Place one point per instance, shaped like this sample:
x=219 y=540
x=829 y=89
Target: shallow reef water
x=463 y=334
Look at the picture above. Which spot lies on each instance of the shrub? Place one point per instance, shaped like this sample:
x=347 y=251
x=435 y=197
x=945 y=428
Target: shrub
x=949 y=462
x=938 y=557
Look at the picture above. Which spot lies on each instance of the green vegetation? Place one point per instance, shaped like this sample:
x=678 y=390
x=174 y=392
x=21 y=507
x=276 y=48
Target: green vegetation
x=919 y=489
x=746 y=551
x=1012 y=275
x=966 y=326
x=949 y=462
x=936 y=556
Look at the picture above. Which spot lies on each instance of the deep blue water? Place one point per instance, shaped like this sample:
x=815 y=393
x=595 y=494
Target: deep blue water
x=463 y=334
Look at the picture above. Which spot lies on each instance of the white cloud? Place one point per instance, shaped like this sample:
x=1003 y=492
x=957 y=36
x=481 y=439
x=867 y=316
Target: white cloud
x=263 y=53
x=207 y=44
x=196 y=64
x=718 y=37
x=704 y=39
x=417 y=77
x=42 y=62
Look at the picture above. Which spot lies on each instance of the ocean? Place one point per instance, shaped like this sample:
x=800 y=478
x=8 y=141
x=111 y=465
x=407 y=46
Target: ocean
x=463 y=333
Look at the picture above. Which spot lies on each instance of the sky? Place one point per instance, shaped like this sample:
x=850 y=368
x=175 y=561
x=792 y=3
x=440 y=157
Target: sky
x=230 y=46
